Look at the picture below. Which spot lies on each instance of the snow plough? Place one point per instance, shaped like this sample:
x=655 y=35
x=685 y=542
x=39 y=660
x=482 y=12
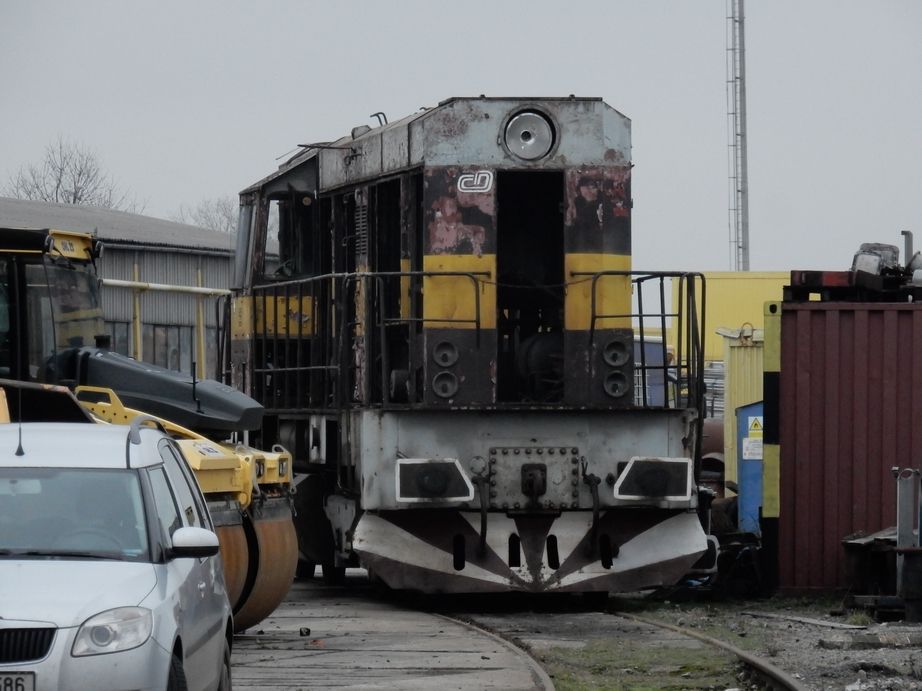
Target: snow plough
x=52 y=332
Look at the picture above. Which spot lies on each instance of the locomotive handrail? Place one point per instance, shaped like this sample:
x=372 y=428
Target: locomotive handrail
x=380 y=276
x=350 y=276
x=307 y=287
x=306 y=368
x=690 y=331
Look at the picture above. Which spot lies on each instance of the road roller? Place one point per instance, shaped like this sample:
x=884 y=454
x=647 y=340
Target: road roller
x=52 y=331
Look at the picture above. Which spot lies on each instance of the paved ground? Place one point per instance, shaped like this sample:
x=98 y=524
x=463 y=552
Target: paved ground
x=344 y=638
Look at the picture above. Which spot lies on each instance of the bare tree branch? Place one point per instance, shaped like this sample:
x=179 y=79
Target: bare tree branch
x=69 y=174
x=218 y=214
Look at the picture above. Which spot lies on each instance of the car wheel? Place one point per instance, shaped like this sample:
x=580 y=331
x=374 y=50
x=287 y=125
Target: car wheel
x=225 y=682
x=177 y=680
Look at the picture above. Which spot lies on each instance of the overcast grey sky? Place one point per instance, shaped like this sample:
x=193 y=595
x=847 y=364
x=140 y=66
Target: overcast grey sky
x=185 y=100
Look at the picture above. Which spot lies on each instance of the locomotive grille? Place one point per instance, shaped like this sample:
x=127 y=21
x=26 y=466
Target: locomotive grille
x=361 y=229
x=24 y=645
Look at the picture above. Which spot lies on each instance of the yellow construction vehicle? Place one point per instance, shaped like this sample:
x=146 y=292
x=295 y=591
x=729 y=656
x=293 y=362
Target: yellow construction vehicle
x=51 y=331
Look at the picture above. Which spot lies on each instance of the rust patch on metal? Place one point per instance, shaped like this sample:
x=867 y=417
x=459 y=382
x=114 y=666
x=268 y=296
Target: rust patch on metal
x=460 y=211
x=598 y=216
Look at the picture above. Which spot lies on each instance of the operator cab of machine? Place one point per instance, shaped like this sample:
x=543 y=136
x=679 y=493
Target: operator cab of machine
x=108 y=557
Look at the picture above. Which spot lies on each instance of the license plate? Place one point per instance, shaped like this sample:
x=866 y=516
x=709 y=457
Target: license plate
x=17 y=681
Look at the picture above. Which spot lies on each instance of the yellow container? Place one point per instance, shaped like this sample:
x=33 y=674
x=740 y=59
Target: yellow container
x=737 y=298
x=743 y=356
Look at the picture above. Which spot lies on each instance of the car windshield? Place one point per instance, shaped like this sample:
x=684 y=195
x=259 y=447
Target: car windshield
x=85 y=513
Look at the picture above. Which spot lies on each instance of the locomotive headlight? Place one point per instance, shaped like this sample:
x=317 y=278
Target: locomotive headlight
x=529 y=135
x=655 y=478
x=432 y=479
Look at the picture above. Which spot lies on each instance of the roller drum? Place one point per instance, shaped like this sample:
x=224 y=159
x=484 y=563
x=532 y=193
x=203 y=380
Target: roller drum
x=273 y=558
x=236 y=556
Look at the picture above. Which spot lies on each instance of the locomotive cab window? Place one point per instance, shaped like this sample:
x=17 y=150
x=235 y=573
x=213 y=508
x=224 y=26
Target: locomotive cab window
x=293 y=219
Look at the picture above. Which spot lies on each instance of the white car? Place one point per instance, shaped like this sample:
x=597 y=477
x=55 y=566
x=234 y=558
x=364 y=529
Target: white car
x=110 y=576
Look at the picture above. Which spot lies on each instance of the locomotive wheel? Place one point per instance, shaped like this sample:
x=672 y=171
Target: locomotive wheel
x=273 y=560
x=333 y=575
x=305 y=569
x=235 y=556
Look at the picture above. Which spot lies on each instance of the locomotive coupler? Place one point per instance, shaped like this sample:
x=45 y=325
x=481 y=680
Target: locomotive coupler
x=534 y=481
x=593 y=482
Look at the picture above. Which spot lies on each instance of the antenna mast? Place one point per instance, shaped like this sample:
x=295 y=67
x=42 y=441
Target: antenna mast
x=736 y=128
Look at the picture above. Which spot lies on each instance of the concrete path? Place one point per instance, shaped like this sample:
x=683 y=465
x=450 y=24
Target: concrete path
x=322 y=637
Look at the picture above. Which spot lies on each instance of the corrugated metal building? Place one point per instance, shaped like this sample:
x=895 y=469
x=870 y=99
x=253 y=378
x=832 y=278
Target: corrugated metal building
x=164 y=252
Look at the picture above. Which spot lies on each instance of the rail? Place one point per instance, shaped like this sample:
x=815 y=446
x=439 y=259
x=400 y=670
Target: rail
x=777 y=678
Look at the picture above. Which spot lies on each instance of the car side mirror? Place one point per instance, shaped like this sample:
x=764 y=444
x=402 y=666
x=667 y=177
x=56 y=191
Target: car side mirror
x=194 y=543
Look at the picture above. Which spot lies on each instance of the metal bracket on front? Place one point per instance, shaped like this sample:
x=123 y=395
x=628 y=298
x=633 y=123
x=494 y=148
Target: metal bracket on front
x=593 y=482
x=483 y=492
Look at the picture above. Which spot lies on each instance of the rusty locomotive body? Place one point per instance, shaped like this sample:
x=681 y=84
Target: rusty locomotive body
x=479 y=393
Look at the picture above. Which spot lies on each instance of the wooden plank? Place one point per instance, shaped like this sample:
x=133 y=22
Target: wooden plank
x=352 y=640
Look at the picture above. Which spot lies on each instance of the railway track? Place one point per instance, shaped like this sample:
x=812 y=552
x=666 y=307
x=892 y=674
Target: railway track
x=327 y=637
x=588 y=649
x=360 y=637
x=766 y=674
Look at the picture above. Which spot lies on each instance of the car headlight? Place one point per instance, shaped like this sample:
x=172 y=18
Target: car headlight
x=113 y=630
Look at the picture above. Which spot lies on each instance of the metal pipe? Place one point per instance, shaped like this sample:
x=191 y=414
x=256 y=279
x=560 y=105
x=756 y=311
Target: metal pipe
x=136 y=317
x=200 y=330
x=141 y=286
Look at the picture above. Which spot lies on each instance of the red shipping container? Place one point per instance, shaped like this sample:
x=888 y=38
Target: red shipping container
x=850 y=409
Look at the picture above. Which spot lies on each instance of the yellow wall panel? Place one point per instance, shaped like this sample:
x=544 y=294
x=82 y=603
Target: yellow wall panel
x=455 y=297
x=613 y=293
x=735 y=298
x=742 y=386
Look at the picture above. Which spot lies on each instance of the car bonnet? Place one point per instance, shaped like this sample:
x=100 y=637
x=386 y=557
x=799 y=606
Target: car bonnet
x=66 y=592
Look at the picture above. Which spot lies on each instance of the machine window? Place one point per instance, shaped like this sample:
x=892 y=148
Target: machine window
x=186 y=490
x=167 y=513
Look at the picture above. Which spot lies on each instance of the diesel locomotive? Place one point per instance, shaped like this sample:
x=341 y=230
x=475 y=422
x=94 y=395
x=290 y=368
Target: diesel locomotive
x=440 y=317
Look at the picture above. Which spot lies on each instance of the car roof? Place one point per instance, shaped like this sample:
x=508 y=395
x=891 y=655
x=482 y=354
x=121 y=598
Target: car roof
x=74 y=445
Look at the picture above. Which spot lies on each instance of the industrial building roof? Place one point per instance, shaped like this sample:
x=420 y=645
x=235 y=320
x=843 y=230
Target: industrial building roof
x=110 y=225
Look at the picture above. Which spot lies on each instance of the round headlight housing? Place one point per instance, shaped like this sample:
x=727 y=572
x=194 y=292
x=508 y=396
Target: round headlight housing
x=530 y=135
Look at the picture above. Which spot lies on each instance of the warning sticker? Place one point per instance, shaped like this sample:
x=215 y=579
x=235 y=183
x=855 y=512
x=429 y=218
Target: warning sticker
x=755 y=426
x=752 y=449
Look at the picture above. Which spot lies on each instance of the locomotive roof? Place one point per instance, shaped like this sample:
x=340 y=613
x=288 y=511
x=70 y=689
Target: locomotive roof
x=313 y=150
